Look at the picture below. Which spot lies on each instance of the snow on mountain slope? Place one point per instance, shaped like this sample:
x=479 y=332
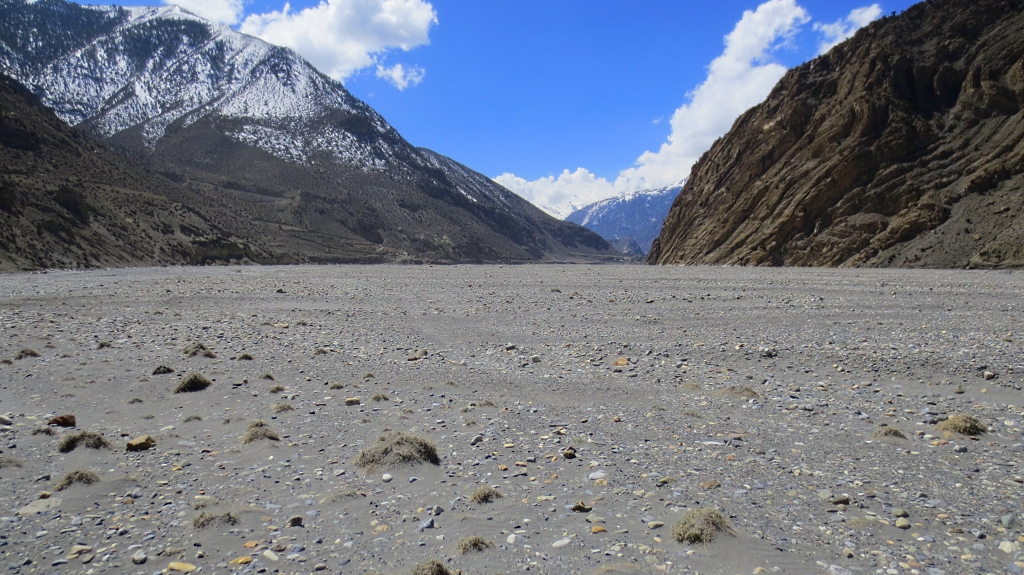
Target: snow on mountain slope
x=636 y=215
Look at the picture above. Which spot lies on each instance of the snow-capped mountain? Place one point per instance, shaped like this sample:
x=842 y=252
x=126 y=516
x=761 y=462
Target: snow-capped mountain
x=212 y=108
x=637 y=215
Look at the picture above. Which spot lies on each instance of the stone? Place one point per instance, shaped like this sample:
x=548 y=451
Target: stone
x=386 y=478
x=243 y=560
x=141 y=443
x=476 y=439
x=418 y=355
x=39 y=506
x=62 y=421
x=295 y=521
x=707 y=485
x=181 y=566
x=270 y=555
x=621 y=362
x=900 y=512
x=598 y=529
x=840 y=500
x=561 y=543
x=139 y=557
x=597 y=475
x=569 y=453
x=582 y=507
x=903 y=523
x=77 y=550
x=352 y=401
x=655 y=524
x=1008 y=521
x=988 y=375
x=534 y=359
x=4 y=420
x=1009 y=547
x=511 y=539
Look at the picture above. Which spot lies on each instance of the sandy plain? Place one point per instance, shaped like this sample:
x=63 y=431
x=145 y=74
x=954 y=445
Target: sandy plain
x=762 y=393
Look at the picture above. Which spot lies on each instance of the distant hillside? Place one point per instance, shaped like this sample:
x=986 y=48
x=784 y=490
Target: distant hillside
x=308 y=169
x=67 y=201
x=900 y=147
x=636 y=215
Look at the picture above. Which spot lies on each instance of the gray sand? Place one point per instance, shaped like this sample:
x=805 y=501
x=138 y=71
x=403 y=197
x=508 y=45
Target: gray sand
x=761 y=393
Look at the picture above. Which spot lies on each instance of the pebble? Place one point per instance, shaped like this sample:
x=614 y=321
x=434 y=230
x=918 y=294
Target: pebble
x=598 y=475
x=180 y=566
x=270 y=555
x=903 y=523
x=139 y=557
x=561 y=543
x=386 y=478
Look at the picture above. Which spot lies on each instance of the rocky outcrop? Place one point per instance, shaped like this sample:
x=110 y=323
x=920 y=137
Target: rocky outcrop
x=903 y=146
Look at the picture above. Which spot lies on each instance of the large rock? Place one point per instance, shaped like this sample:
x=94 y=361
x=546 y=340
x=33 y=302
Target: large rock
x=141 y=443
x=900 y=147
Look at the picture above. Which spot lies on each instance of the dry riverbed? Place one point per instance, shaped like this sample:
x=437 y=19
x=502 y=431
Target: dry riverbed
x=575 y=414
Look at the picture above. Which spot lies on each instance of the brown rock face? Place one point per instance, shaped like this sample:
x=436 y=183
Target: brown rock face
x=902 y=147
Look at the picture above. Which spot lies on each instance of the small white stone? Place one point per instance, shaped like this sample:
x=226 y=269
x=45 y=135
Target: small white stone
x=386 y=478
x=561 y=543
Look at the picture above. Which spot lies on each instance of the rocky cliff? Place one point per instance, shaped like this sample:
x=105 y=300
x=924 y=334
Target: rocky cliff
x=903 y=146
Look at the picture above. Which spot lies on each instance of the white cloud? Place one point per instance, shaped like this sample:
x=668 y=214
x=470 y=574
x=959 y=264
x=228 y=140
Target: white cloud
x=224 y=11
x=341 y=37
x=844 y=28
x=401 y=77
x=738 y=79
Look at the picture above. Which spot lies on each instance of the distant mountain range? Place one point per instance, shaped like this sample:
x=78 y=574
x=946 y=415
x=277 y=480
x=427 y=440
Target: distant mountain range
x=900 y=147
x=633 y=216
x=276 y=153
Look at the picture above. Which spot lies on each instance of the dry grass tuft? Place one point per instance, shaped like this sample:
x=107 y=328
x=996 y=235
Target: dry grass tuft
x=245 y=357
x=8 y=462
x=963 y=424
x=276 y=389
x=283 y=407
x=267 y=376
x=196 y=348
x=890 y=432
x=487 y=403
x=134 y=400
x=192 y=382
x=380 y=397
x=701 y=526
x=90 y=439
x=204 y=520
x=26 y=353
x=192 y=418
x=485 y=494
x=474 y=543
x=162 y=369
x=258 y=430
x=83 y=476
x=430 y=567
x=398 y=448
x=104 y=345
x=46 y=430
x=337 y=386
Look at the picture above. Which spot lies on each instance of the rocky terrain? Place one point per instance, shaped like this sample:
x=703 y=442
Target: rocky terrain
x=900 y=147
x=813 y=409
x=309 y=170
x=67 y=201
x=629 y=221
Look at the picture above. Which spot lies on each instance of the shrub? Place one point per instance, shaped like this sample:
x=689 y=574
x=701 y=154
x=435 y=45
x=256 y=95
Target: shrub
x=963 y=424
x=267 y=376
x=485 y=494
x=196 y=348
x=245 y=357
x=46 y=430
x=276 y=389
x=204 y=520
x=430 y=567
x=701 y=526
x=134 y=400
x=283 y=407
x=890 y=432
x=473 y=543
x=162 y=369
x=380 y=397
x=192 y=418
x=83 y=476
x=90 y=439
x=258 y=430
x=6 y=462
x=26 y=353
x=398 y=448
x=192 y=382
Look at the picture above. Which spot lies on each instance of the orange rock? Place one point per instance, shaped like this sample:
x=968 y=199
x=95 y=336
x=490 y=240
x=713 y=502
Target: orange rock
x=244 y=560
x=598 y=529
x=710 y=485
x=621 y=362
x=250 y=544
x=63 y=421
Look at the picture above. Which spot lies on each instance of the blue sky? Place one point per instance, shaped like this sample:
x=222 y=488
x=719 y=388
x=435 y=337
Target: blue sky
x=532 y=91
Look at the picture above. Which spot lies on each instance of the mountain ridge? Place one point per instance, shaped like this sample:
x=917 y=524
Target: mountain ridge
x=636 y=215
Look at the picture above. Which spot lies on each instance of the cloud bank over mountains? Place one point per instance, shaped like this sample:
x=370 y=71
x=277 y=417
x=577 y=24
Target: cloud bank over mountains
x=738 y=79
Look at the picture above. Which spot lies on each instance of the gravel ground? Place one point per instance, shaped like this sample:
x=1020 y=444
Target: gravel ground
x=603 y=403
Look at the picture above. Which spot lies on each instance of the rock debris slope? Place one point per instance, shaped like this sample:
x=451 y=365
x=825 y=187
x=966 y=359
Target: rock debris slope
x=68 y=201
x=305 y=164
x=900 y=147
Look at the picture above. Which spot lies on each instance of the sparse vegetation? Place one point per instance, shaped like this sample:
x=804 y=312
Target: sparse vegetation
x=27 y=352
x=149 y=416
x=192 y=418
x=380 y=397
x=963 y=424
x=162 y=369
x=192 y=382
x=474 y=543
x=283 y=407
x=276 y=389
x=89 y=439
x=337 y=386
x=320 y=351
x=398 y=448
x=196 y=348
x=267 y=376
x=204 y=520
x=430 y=567
x=83 y=476
x=259 y=430
x=485 y=494
x=890 y=432
x=103 y=345
x=701 y=526
x=134 y=400
x=8 y=462
x=487 y=403
x=245 y=357
x=44 y=430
